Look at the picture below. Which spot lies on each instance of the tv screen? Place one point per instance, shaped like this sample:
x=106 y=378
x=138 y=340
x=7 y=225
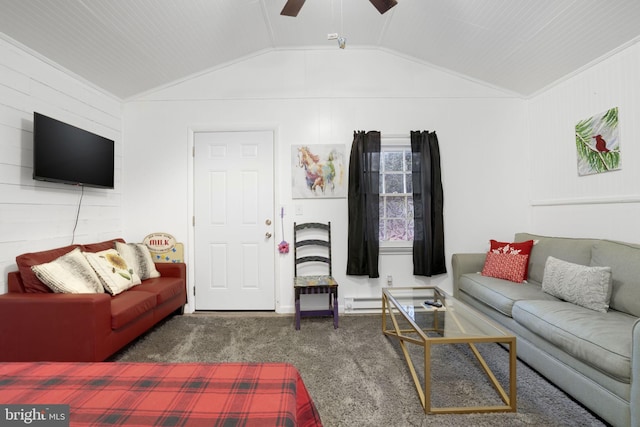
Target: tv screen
x=67 y=154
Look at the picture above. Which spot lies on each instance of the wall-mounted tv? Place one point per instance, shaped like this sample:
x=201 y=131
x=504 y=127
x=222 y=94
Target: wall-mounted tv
x=70 y=155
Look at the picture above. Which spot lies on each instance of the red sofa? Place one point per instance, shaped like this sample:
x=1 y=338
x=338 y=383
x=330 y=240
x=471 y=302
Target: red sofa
x=39 y=325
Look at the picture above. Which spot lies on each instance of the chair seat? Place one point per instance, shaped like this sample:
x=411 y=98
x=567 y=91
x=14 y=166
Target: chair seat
x=308 y=281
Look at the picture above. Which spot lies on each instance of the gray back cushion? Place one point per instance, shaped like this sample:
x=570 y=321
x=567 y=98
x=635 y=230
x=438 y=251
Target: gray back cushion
x=624 y=260
x=568 y=249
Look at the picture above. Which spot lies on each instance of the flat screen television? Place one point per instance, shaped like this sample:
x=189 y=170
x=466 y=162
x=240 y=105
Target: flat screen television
x=70 y=155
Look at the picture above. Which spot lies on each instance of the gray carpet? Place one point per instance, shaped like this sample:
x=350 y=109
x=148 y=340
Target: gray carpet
x=356 y=375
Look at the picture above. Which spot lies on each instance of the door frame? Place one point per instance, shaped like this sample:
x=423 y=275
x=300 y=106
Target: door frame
x=190 y=244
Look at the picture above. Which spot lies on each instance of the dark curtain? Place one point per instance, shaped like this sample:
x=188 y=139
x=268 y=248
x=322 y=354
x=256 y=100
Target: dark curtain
x=364 y=204
x=428 y=239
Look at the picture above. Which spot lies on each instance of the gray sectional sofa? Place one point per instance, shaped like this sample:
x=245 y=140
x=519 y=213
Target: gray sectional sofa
x=593 y=356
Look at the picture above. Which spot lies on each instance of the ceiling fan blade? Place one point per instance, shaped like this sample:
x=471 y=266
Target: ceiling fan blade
x=383 y=5
x=292 y=7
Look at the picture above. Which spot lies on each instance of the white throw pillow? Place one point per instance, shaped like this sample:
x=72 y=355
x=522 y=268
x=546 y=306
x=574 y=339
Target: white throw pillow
x=70 y=274
x=113 y=271
x=139 y=258
x=589 y=287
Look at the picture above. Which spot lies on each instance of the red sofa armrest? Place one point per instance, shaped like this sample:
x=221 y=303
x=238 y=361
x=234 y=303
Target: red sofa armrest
x=54 y=327
x=173 y=269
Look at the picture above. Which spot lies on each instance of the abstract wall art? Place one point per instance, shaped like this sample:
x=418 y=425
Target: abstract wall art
x=318 y=171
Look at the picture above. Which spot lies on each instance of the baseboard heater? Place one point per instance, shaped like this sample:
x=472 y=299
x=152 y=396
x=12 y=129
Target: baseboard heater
x=362 y=304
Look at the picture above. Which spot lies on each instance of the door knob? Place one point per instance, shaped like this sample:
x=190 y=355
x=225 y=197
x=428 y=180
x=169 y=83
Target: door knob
x=267 y=235
x=268 y=222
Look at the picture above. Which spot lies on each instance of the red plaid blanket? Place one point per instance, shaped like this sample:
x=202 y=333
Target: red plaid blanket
x=162 y=394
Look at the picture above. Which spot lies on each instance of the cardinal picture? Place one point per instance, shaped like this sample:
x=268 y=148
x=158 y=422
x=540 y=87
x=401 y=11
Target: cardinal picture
x=598 y=143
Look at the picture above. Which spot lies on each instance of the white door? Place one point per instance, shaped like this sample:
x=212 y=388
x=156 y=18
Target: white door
x=234 y=224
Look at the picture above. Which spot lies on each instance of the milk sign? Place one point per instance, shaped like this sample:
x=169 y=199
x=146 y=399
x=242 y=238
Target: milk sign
x=164 y=248
x=160 y=242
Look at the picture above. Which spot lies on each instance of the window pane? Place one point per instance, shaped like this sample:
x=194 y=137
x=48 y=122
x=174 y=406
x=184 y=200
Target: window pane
x=395 y=229
x=392 y=161
x=396 y=207
x=396 y=200
x=394 y=183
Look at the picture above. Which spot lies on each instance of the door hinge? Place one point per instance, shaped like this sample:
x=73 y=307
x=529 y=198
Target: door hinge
x=193 y=151
x=193 y=221
x=194 y=291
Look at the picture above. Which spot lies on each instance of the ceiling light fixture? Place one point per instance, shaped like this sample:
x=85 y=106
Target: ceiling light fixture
x=342 y=42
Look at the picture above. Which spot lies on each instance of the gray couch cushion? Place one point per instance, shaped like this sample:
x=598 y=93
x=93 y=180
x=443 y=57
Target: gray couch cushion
x=600 y=340
x=624 y=260
x=500 y=294
x=568 y=249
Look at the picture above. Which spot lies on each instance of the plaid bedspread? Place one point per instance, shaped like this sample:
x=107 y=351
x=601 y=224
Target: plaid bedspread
x=162 y=394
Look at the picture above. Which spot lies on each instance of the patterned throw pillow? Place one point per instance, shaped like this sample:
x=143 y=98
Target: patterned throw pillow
x=506 y=266
x=521 y=248
x=113 y=271
x=71 y=274
x=138 y=258
x=589 y=287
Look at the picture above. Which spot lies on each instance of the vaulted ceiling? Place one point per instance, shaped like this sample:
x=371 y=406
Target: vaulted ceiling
x=128 y=47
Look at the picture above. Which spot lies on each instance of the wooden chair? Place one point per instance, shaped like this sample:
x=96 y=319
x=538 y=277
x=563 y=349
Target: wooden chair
x=312 y=268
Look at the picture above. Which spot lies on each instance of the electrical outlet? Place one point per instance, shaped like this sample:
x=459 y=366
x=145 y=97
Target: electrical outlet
x=389 y=280
x=299 y=210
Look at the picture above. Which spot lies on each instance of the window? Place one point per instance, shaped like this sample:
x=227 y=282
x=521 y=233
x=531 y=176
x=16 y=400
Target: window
x=396 y=195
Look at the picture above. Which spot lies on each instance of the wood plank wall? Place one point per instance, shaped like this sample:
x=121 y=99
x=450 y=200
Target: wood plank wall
x=36 y=215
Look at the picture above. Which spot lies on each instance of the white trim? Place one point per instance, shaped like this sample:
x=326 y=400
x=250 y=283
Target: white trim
x=396 y=247
x=587 y=201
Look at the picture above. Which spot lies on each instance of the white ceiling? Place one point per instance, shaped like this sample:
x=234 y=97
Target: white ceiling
x=128 y=47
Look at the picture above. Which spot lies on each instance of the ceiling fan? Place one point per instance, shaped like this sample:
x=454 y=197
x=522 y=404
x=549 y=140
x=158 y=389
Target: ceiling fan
x=292 y=7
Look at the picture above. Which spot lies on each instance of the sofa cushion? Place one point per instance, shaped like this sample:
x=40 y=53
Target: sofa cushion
x=573 y=250
x=624 y=260
x=500 y=294
x=70 y=274
x=115 y=274
x=139 y=258
x=25 y=261
x=589 y=287
x=165 y=288
x=601 y=340
x=129 y=306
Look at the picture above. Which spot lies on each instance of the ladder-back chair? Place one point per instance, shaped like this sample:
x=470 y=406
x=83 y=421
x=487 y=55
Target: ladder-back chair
x=312 y=268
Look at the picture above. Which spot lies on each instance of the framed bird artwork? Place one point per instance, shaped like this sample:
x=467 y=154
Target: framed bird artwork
x=598 y=143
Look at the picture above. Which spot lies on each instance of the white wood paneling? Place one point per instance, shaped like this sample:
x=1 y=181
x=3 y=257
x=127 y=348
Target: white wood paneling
x=481 y=131
x=132 y=47
x=600 y=205
x=38 y=215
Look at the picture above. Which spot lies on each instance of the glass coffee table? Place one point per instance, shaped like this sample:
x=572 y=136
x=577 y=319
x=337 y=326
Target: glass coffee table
x=427 y=317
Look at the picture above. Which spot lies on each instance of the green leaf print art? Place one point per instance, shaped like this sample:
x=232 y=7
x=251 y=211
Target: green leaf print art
x=598 y=143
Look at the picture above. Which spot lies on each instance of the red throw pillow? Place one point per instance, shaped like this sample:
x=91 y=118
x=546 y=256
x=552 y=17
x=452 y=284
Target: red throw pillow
x=25 y=261
x=506 y=266
x=508 y=261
